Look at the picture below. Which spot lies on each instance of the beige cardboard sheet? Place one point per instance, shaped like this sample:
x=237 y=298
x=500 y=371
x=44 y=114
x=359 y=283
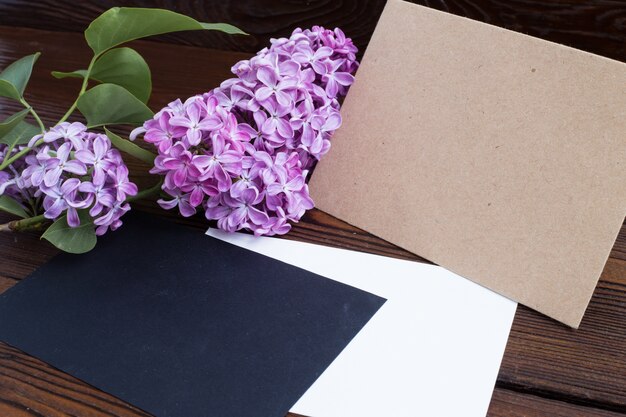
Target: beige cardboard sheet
x=494 y=154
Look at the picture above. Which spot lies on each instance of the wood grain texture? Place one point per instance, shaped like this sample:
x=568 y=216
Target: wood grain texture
x=31 y=388
x=547 y=369
x=593 y=25
x=506 y=403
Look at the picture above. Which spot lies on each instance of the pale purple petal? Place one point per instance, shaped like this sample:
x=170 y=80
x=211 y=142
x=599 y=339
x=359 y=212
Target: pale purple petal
x=72 y=217
x=55 y=209
x=332 y=88
x=344 y=78
x=257 y=216
x=263 y=93
x=85 y=156
x=52 y=177
x=75 y=167
x=267 y=76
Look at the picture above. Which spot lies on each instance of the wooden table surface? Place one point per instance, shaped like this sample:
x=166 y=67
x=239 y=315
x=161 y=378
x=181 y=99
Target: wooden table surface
x=547 y=370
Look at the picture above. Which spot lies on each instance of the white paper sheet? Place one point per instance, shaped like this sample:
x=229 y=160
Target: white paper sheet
x=432 y=350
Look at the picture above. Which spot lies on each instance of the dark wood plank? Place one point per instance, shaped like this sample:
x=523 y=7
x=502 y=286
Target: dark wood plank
x=21 y=253
x=505 y=403
x=619 y=248
x=593 y=25
x=585 y=367
x=588 y=365
x=31 y=388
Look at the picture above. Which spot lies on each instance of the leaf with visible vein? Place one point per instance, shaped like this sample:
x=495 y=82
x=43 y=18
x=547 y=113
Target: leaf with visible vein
x=9 y=205
x=14 y=78
x=20 y=134
x=11 y=122
x=123 y=24
x=111 y=104
x=79 y=239
x=130 y=148
x=120 y=66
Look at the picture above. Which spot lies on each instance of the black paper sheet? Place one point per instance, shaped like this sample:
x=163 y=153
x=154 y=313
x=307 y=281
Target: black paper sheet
x=184 y=325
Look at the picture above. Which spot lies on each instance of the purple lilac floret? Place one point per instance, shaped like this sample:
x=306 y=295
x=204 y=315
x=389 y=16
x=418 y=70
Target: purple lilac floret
x=242 y=152
x=79 y=170
x=12 y=184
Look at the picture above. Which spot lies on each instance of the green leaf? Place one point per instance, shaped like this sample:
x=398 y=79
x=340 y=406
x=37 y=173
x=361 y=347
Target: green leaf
x=21 y=134
x=73 y=74
x=121 y=66
x=11 y=122
x=111 y=104
x=123 y=24
x=11 y=206
x=8 y=90
x=130 y=148
x=79 y=239
x=14 y=78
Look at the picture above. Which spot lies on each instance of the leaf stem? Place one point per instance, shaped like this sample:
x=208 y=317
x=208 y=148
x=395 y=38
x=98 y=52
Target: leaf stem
x=146 y=193
x=83 y=88
x=30 y=223
x=34 y=113
x=27 y=149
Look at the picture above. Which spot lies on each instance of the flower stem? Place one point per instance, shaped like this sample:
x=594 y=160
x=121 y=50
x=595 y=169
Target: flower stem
x=146 y=193
x=9 y=150
x=83 y=88
x=18 y=155
x=30 y=223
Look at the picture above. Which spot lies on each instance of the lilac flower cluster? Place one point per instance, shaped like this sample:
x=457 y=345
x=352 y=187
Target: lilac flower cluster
x=75 y=169
x=242 y=152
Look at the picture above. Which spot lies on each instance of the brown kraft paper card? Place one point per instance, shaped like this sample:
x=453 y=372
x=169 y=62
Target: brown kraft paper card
x=499 y=156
